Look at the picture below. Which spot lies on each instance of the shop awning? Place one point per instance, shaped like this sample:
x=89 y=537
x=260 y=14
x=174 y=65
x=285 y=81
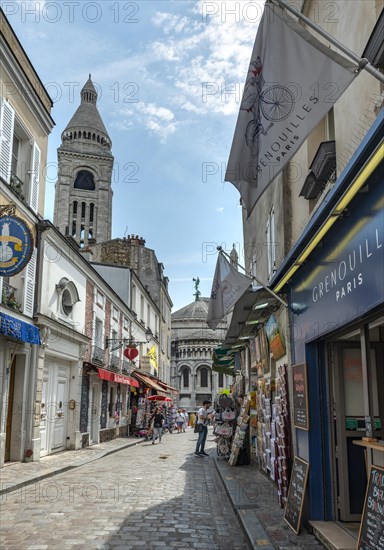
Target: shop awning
x=251 y=310
x=106 y=375
x=118 y=378
x=150 y=383
x=122 y=379
x=166 y=387
x=11 y=326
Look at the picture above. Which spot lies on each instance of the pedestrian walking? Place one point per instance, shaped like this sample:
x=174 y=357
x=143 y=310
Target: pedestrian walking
x=202 y=419
x=186 y=419
x=158 y=423
x=179 y=422
x=192 y=419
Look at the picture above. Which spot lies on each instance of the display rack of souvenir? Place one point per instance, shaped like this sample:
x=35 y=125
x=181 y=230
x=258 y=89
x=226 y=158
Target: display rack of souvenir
x=226 y=408
x=242 y=423
x=282 y=460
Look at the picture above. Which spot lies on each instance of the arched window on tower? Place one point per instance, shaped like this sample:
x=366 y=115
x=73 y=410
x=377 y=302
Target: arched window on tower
x=84 y=180
x=82 y=210
x=185 y=378
x=91 y=211
x=73 y=229
x=204 y=378
x=74 y=209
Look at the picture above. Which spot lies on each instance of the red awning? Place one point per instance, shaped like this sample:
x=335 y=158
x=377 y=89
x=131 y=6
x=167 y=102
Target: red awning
x=121 y=379
x=118 y=378
x=106 y=375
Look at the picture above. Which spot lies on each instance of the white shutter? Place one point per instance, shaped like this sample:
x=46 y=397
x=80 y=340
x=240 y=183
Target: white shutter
x=35 y=176
x=7 y=121
x=29 y=285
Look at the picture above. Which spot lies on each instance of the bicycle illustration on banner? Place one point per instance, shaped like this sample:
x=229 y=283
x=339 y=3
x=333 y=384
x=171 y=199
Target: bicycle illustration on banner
x=275 y=103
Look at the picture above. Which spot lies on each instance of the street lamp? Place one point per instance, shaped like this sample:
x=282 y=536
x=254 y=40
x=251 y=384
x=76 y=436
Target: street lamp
x=129 y=342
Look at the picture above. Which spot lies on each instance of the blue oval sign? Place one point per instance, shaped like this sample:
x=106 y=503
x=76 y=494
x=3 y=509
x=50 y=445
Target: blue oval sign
x=16 y=245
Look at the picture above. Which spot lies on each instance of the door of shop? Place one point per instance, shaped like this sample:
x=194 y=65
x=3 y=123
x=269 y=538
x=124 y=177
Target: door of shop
x=54 y=407
x=349 y=423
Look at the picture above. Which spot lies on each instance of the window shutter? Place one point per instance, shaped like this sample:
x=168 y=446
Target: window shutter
x=35 y=176
x=7 y=121
x=29 y=285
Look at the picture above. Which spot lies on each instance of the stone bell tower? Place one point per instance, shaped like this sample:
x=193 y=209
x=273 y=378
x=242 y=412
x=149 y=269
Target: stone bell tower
x=83 y=192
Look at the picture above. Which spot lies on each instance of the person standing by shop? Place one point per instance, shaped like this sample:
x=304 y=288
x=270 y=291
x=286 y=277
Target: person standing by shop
x=202 y=418
x=158 y=423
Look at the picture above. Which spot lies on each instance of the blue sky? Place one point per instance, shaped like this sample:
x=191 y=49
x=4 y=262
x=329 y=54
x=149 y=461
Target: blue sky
x=169 y=76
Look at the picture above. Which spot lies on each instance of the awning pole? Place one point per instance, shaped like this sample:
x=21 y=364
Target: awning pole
x=253 y=278
x=362 y=62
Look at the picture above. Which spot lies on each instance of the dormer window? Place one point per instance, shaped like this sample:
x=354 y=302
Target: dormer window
x=68 y=296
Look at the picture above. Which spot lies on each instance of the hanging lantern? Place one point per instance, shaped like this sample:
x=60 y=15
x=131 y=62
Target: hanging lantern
x=131 y=353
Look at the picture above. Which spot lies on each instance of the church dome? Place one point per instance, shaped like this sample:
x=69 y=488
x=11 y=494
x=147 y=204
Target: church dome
x=195 y=310
x=190 y=322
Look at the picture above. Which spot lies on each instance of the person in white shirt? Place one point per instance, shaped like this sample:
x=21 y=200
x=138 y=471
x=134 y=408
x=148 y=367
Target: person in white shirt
x=202 y=418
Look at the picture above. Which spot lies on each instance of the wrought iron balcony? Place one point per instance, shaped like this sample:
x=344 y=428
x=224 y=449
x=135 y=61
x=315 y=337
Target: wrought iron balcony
x=114 y=362
x=126 y=366
x=17 y=186
x=97 y=355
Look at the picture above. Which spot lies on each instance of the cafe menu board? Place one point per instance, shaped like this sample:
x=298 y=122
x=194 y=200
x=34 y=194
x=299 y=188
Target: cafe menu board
x=296 y=493
x=371 y=535
x=300 y=396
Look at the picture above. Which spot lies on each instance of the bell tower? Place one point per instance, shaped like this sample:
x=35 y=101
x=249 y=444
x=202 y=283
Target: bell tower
x=83 y=192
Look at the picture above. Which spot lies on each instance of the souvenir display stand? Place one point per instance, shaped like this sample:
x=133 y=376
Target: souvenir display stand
x=238 y=441
x=282 y=460
x=226 y=412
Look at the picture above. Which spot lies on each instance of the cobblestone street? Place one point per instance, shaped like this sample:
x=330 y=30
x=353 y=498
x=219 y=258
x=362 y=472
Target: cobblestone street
x=145 y=496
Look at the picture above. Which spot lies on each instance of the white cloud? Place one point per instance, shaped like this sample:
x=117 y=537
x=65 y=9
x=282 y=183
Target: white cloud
x=158 y=120
x=220 y=209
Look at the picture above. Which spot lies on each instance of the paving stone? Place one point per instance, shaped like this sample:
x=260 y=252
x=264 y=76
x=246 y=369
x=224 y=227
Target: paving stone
x=132 y=499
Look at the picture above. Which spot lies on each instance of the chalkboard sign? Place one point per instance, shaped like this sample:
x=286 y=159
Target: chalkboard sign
x=296 y=493
x=300 y=397
x=371 y=535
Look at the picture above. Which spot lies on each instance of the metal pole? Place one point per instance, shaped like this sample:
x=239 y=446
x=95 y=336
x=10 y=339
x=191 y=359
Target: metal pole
x=254 y=279
x=362 y=62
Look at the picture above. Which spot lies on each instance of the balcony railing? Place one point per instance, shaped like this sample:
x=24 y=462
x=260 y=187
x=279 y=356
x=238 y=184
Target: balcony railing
x=97 y=355
x=17 y=186
x=126 y=367
x=8 y=297
x=114 y=362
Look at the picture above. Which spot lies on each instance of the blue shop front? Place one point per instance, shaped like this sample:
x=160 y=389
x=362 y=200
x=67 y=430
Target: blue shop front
x=334 y=279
